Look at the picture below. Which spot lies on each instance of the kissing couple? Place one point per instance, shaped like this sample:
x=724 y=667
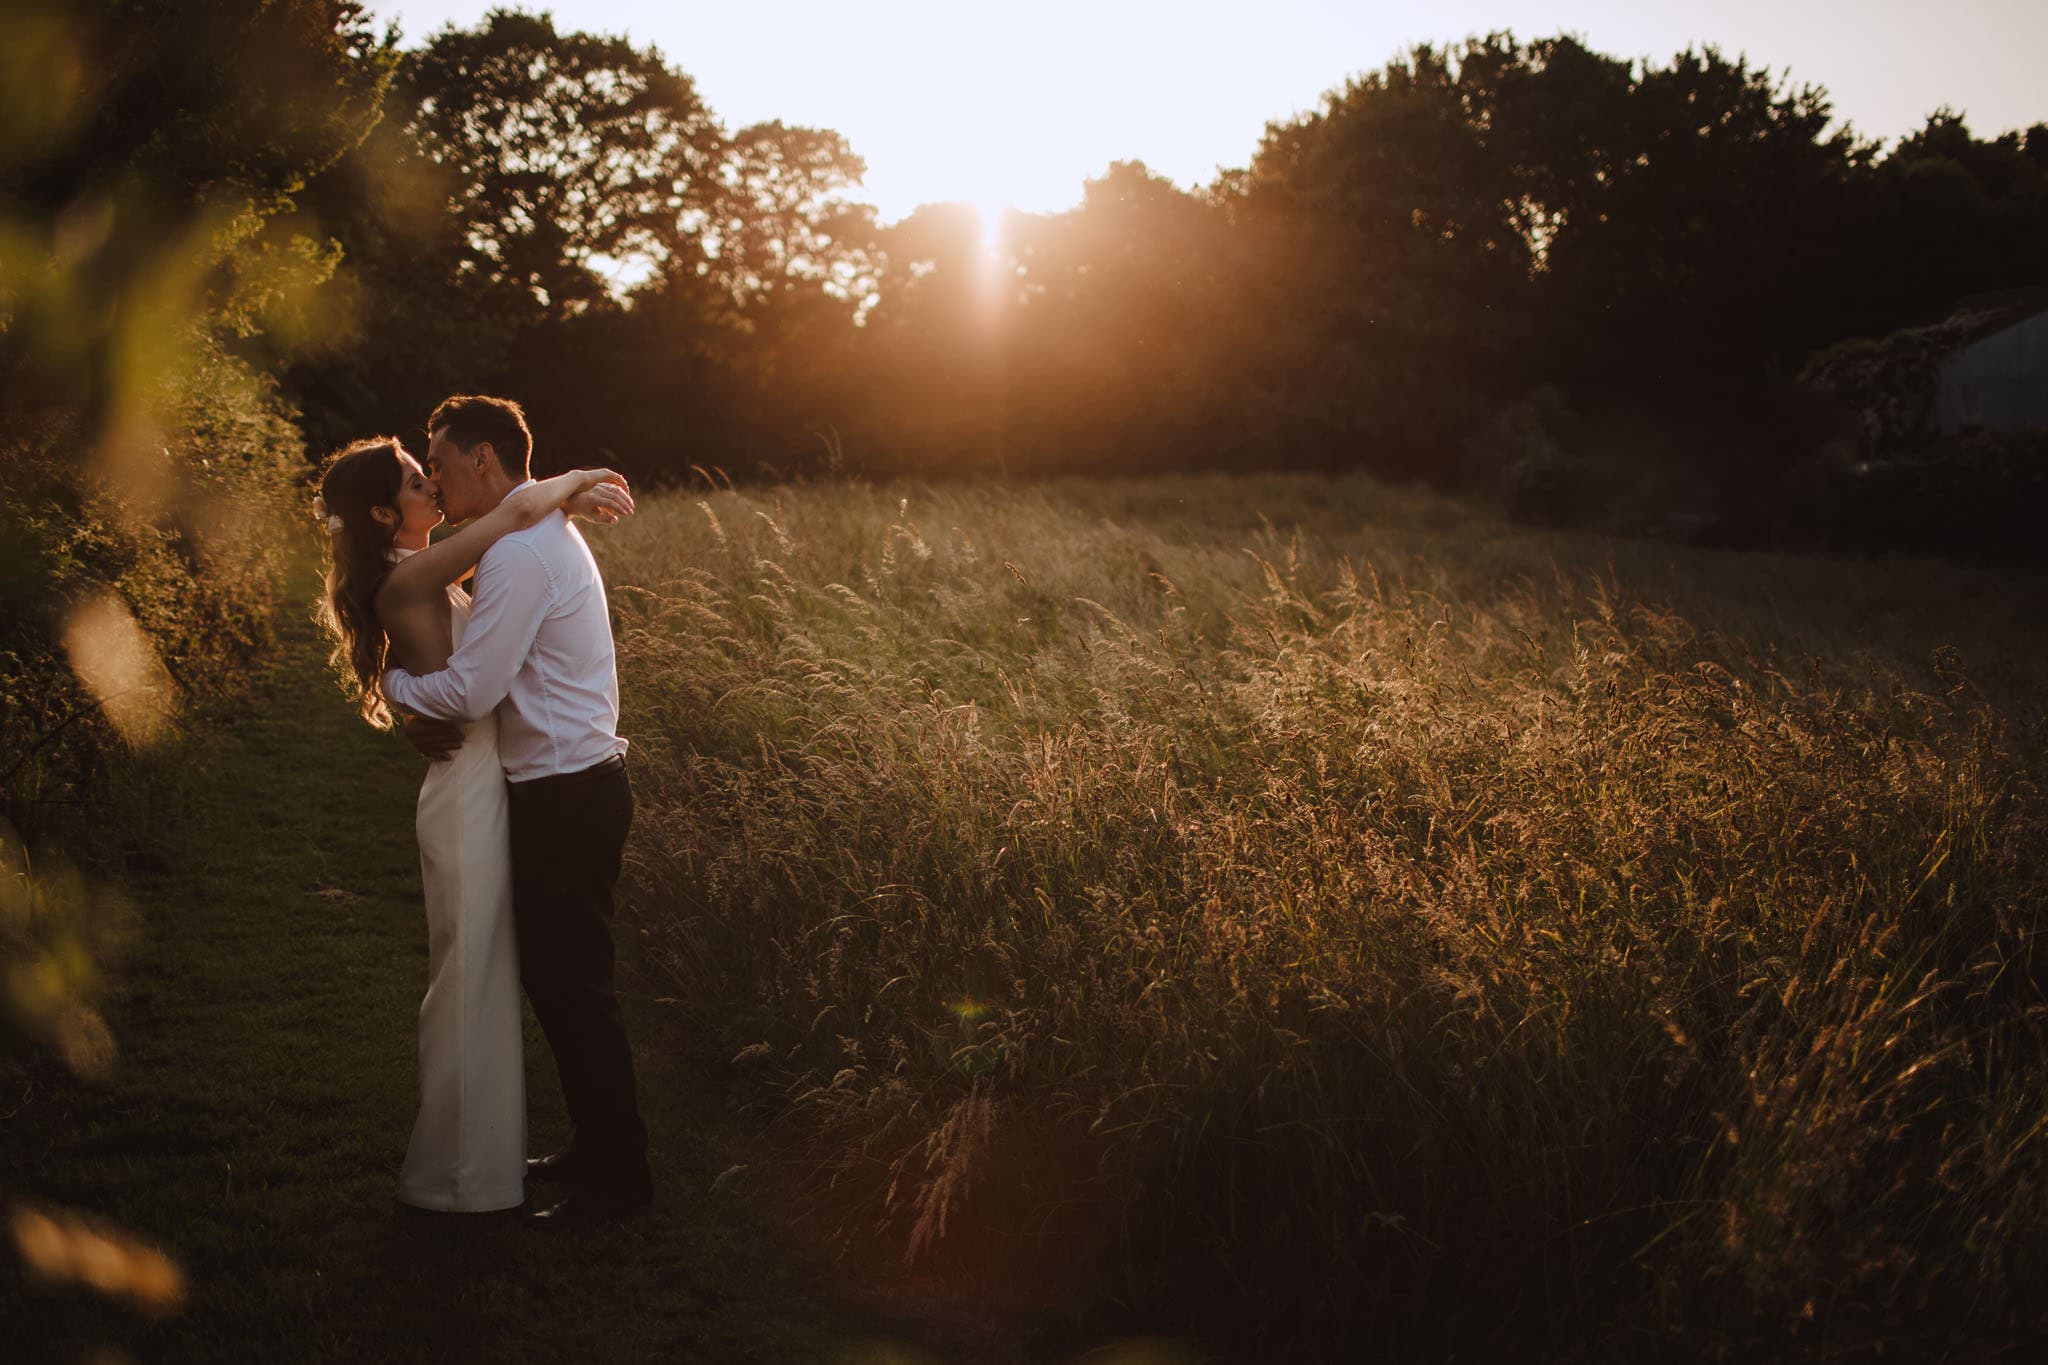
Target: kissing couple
x=514 y=694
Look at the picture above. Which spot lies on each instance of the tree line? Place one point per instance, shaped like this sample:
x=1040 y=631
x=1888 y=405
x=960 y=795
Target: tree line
x=559 y=215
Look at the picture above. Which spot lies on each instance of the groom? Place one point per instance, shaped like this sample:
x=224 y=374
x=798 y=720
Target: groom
x=538 y=651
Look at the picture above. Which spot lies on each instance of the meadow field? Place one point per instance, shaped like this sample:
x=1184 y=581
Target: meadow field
x=1079 y=908
x=1303 y=912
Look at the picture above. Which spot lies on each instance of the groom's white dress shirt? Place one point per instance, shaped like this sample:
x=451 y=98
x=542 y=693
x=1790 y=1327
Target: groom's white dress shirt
x=538 y=650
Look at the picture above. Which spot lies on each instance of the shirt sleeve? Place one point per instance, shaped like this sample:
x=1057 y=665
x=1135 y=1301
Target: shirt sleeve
x=513 y=594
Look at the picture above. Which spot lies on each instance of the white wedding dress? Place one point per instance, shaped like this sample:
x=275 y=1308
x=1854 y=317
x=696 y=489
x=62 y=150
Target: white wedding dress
x=468 y=1148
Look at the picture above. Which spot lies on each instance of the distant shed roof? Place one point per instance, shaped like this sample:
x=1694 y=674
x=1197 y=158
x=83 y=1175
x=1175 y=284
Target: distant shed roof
x=1999 y=380
x=1984 y=364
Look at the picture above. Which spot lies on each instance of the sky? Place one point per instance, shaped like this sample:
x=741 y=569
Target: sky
x=1015 y=105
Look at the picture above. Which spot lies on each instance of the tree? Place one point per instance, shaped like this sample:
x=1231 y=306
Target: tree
x=1956 y=215
x=409 y=318
x=778 y=220
x=1129 y=347
x=1392 y=227
x=1464 y=223
x=932 y=349
x=1709 y=236
x=575 y=160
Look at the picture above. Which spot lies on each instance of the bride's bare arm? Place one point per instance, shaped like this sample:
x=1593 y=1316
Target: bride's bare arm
x=600 y=494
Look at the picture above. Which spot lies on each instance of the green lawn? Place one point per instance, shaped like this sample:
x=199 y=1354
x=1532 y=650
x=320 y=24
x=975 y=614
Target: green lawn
x=257 y=1118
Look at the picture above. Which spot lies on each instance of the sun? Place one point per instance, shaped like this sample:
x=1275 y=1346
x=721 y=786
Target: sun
x=991 y=210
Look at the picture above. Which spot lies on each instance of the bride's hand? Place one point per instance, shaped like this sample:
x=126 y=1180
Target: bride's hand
x=599 y=494
x=607 y=499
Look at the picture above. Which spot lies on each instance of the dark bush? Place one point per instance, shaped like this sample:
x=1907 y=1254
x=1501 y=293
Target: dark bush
x=1978 y=496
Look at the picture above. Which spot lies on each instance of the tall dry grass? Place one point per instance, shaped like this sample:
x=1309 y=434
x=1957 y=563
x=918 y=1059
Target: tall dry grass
x=1326 y=904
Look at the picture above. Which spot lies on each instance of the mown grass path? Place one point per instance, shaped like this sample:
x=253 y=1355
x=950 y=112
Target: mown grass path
x=259 y=1113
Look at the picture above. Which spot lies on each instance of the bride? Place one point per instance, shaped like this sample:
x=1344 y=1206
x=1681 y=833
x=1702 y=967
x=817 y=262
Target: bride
x=389 y=590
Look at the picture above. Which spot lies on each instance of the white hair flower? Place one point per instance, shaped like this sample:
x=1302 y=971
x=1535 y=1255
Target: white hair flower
x=320 y=513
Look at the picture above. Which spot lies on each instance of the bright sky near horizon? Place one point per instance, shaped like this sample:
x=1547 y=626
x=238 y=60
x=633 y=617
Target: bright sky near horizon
x=1001 y=105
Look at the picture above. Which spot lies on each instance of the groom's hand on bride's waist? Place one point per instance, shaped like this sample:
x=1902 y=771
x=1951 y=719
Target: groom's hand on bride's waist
x=437 y=739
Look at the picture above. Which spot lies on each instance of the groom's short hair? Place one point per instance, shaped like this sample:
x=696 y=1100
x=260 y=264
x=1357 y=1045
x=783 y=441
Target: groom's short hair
x=471 y=418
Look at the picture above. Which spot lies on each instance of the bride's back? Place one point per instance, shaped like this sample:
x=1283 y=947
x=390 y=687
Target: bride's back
x=420 y=629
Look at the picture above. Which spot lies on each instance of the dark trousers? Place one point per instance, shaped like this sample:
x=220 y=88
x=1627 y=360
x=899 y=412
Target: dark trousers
x=568 y=834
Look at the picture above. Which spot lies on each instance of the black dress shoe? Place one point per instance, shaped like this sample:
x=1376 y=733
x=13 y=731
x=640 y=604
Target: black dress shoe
x=590 y=1206
x=560 y=1168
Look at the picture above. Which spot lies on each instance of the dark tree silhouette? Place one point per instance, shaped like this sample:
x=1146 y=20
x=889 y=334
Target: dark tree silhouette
x=564 y=152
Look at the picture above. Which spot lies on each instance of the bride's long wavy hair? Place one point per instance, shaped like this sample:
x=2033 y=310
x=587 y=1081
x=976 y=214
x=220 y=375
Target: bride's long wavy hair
x=358 y=477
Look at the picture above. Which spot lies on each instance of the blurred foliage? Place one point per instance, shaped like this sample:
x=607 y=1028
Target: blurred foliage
x=152 y=265
x=60 y=1248
x=154 y=271
x=151 y=186
x=59 y=933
